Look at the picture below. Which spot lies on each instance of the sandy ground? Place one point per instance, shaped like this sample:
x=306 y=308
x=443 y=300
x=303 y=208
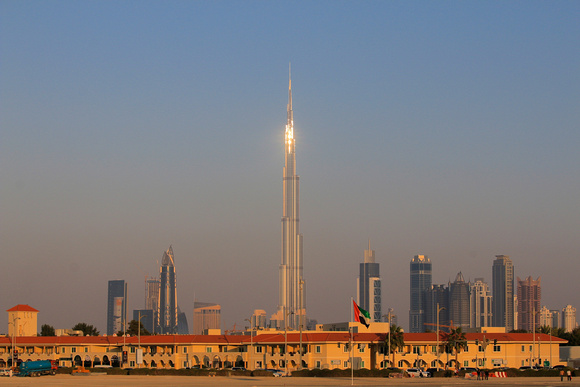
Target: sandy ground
x=104 y=380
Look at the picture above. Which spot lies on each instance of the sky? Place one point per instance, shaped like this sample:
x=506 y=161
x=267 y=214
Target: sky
x=448 y=129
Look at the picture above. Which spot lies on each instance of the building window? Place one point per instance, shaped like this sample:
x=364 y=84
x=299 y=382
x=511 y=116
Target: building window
x=496 y=348
x=208 y=349
x=466 y=363
x=361 y=348
x=362 y=364
x=530 y=348
x=416 y=349
x=466 y=348
x=401 y=364
x=184 y=349
x=259 y=349
x=317 y=363
x=434 y=363
x=434 y=348
x=317 y=349
x=73 y=349
x=523 y=348
x=86 y=349
x=132 y=363
x=185 y=364
x=132 y=349
x=345 y=348
x=345 y=364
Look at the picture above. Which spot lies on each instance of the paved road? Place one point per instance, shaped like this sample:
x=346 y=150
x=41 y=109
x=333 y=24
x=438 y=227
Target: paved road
x=203 y=381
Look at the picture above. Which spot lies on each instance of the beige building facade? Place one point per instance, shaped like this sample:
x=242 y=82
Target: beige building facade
x=22 y=321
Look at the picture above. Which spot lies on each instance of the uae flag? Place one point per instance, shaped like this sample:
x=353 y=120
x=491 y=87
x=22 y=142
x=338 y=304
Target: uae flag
x=361 y=315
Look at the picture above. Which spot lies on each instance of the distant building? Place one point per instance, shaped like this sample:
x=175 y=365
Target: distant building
x=167 y=319
x=369 y=285
x=182 y=326
x=545 y=317
x=569 y=318
x=481 y=301
x=116 y=307
x=259 y=319
x=147 y=318
x=529 y=300
x=556 y=318
x=438 y=295
x=152 y=286
x=206 y=315
x=420 y=282
x=503 y=292
x=459 y=302
x=22 y=321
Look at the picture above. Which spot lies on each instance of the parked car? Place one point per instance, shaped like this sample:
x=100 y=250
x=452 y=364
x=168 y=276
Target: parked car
x=417 y=372
x=432 y=371
x=469 y=370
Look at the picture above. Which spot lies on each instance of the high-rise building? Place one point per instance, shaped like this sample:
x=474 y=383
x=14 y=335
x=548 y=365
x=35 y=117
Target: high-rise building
x=437 y=296
x=116 y=307
x=206 y=315
x=569 y=318
x=167 y=318
x=503 y=292
x=480 y=304
x=420 y=282
x=556 y=318
x=545 y=317
x=291 y=304
x=369 y=285
x=147 y=319
x=529 y=300
x=182 y=325
x=459 y=302
x=152 y=286
x=259 y=319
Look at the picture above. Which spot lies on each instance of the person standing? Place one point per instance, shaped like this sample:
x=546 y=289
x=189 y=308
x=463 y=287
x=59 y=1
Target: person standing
x=569 y=375
x=561 y=375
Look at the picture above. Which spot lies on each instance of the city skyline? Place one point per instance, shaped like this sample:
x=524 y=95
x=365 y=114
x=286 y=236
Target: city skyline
x=444 y=129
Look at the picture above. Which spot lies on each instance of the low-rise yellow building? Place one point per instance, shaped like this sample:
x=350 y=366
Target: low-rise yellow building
x=323 y=350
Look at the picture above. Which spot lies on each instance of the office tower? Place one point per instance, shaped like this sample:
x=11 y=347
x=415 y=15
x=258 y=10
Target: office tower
x=167 y=319
x=152 y=286
x=545 y=317
x=291 y=305
x=459 y=302
x=259 y=319
x=556 y=318
x=116 y=307
x=206 y=315
x=438 y=294
x=480 y=304
x=503 y=292
x=369 y=285
x=569 y=318
x=182 y=325
x=529 y=299
x=147 y=319
x=420 y=281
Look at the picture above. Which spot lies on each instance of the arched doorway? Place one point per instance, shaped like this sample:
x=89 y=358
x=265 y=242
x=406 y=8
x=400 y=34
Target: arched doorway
x=78 y=361
x=106 y=360
x=153 y=364
x=87 y=362
x=96 y=361
x=115 y=361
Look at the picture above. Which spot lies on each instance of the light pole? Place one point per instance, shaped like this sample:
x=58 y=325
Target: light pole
x=437 y=349
x=388 y=316
x=300 y=317
x=139 y=339
x=14 y=337
x=286 y=341
x=250 y=364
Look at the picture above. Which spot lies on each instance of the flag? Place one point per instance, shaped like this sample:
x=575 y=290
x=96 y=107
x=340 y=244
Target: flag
x=361 y=315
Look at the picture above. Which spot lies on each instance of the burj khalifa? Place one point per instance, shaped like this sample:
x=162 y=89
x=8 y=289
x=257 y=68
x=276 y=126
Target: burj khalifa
x=291 y=305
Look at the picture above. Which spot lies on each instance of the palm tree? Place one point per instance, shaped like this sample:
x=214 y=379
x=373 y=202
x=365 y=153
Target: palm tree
x=455 y=341
x=395 y=341
x=546 y=329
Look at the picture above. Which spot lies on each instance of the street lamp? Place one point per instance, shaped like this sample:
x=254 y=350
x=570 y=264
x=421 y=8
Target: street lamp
x=139 y=339
x=437 y=349
x=300 y=317
x=250 y=364
x=388 y=316
x=14 y=337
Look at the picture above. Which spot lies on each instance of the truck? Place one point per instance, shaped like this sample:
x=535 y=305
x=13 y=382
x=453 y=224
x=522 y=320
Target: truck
x=37 y=368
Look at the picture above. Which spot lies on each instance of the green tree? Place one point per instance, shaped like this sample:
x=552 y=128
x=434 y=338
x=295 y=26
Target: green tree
x=47 y=330
x=133 y=329
x=455 y=341
x=396 y=340
x=546 y=329
x=572 y=337
x=88 y=330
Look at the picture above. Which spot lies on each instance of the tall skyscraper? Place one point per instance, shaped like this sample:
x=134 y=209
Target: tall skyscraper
x=529 y=300
x=459 y=302
x=146 y=316
x=556 y=318
x=480 y=304
x=152 y=286
x=116 y=307
x=569 y=318
x=291 y=303
x=420 y=282
x=437 y=295
x=369 y=285
x=206 y=315
x=167 y=319
x=503 y=292
x=545 y=317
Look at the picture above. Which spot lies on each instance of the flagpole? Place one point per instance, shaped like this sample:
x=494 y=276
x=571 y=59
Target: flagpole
x=351 y=342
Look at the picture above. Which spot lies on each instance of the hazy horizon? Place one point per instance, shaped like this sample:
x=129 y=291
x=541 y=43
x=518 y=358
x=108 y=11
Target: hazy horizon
x=445 y=129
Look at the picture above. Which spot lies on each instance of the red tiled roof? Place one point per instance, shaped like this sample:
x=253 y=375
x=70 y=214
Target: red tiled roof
x=22 y=308
x=293 y=337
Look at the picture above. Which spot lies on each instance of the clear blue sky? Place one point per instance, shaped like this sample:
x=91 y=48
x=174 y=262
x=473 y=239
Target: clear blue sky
x=441 y=128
